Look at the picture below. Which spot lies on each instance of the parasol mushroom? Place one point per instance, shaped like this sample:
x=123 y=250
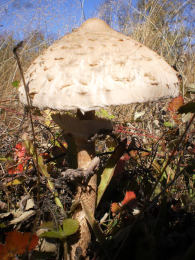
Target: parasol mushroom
x=88 y=69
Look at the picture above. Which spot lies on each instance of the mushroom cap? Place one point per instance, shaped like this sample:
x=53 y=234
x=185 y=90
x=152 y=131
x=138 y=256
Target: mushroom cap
x=94 y=67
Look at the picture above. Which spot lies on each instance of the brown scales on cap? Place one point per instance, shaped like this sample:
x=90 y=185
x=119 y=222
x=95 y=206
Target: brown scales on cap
x=96 y=67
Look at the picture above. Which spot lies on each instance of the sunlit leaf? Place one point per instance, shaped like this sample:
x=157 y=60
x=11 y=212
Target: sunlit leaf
x=70 y=226
x=3 y=159
x=168 y=124
x=14 y=182
x=104 y=113
x=47 y=116
x=42 y=167
x=109 y=169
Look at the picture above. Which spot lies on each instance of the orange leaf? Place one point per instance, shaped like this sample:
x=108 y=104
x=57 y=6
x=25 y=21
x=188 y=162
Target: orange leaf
x=129 y=196
x=115 y=207
x=17 y=243
x=173 y=107
x=175 y=104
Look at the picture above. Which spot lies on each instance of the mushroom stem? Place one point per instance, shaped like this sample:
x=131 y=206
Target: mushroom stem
x=85 y=153
x=85 y=150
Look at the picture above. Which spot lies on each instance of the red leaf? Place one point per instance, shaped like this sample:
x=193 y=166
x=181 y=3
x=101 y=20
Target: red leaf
x=20 y=153
x=16 y=169
x=20 y=157
x=129 y=196
x=17 y=243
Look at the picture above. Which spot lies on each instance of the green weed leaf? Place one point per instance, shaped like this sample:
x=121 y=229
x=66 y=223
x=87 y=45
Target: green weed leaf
x=109 y=170
x=15 y=84
x=54 y=234
x=168 y=124
x=70 y=226
x=103 y=113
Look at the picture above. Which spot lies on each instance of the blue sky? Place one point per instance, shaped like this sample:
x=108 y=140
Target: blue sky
x=54 y=17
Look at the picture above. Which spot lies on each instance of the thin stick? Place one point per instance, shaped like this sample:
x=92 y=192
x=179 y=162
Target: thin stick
x=19 y=45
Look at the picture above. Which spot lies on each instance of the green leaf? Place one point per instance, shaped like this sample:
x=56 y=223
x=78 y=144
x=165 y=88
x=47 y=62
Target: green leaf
x=3 y=159
x=168 y=124
x=104 y=113
x=187 y=108
x=70 y=226
x=15 y=84
x=109 y=170
x=54 y=234
x=42 y=167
